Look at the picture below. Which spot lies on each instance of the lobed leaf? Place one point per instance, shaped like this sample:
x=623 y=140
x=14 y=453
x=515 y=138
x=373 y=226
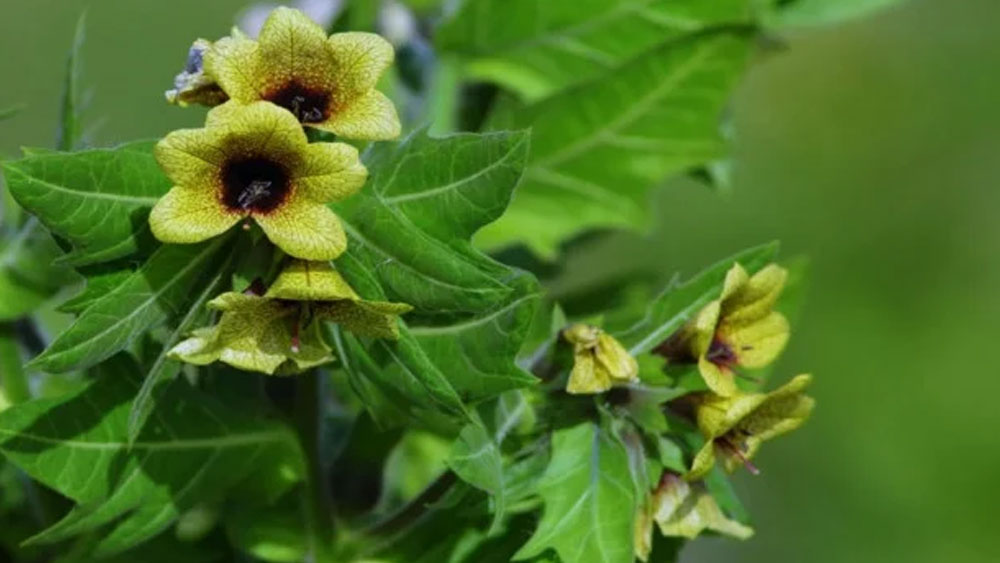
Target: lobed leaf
x=410 y=241
x=194 y=450
x=589 y=500
x=98 y=200
x=600 y=148
x=158 y=290
x=545 y=47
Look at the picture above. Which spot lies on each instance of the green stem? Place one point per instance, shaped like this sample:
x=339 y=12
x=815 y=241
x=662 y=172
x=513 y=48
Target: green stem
x=317 y=504
x=13 y=379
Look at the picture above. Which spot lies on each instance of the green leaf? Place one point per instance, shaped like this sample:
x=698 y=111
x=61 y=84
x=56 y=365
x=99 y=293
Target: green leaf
x=159 y=290
x=680 y=301
x=409 y=234
x=98 y=199
x=163 y=369
x=100 y=282
x=589 y=500
x=599 y=149
x=475 y=458
x=800 y=13
x=544 y=47
x=195 y=450
x=69 y=122
x=28 y=276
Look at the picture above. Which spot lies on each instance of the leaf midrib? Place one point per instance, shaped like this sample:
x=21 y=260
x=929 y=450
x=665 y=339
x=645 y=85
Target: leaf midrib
x=162 y=445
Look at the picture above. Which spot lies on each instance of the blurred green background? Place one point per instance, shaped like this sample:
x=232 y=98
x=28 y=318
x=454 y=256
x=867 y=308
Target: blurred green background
x=870 y=146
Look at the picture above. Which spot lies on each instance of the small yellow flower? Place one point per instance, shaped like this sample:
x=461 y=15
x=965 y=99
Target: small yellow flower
x=735 y=427
x=278 y=332
x=686 y=509
x=254 y=161
x=327 y=82
x=599 y=361
x=740 y=329
x=193 y=85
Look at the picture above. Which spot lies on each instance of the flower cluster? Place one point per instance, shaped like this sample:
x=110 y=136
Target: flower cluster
x=252 y=161
x=739 y=330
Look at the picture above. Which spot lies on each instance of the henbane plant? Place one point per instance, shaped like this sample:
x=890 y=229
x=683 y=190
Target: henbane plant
x=299 y=332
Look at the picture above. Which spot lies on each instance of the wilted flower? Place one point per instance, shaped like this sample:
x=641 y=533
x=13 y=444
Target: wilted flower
x=735 y=427
x=687 y=509
x=254 y=161
x=326 y=82
x=599 y=361
x=740 y=329
x=193 y=85
x=278 y=332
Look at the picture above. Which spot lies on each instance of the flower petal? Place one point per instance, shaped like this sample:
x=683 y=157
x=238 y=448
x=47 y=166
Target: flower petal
x=360 y=60
x=615 y=360
x=757 y=344
x=372 y=319
x=687 y=509
x=720 y=381
x=260 y=128
x=235 y=64
x=331 y=172
x=369 y=117
x=188 y=215
x=305 y=229
x=293 y=46
x=754 y=298
x=191 y=157
x=587 y=376
x=703 y=462
x=302 y=280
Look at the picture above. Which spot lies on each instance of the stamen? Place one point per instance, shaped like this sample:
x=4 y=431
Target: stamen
x=254 y=192
x=296 y=343
x=256 y=287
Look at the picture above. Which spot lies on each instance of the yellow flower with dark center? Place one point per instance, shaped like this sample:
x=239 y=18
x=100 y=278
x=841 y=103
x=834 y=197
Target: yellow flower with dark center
x=738 y=330
x=599 y=361
x=279 y=331
x=735 y=427
x=327 y=82
x=686 y=509
x=254 y=161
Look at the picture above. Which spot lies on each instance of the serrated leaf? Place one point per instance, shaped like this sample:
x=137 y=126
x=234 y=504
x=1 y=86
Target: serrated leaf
x=164 y=370
x=409 y=234
x=98 y=199
x=600 y=148
x=99 y=282
x=680 y=301
x=154 y=293
x=544 y=47
x=589 y=500
x=194 y=451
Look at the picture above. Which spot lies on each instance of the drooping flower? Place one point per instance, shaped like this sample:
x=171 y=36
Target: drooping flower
x=738 y=330
x=685 y=509
x=599 y=361
x=254 y=161
x=193 y=85
x=735 y=427
x=279 y=331
x=327 y=82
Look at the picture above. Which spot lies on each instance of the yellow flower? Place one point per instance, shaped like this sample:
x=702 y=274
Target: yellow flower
x=278 y=332
x=193 y=85
x=686 y=509
x=254 y=161
x=735 y=427
x=740 y=329
x=599 y=361
x=327 y=82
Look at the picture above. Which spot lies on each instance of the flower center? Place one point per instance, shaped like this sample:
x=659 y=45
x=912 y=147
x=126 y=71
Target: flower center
x=310 y=105
x=720 y=354
x=254 y=185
